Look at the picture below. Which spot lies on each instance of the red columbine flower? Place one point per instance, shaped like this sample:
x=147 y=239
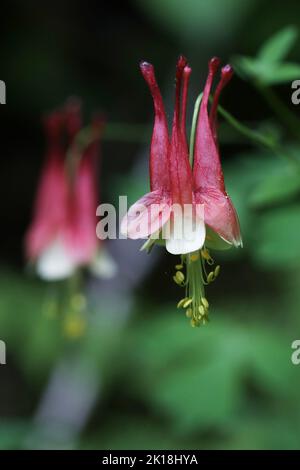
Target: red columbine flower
x=62 y=236
x=188 y=206
x=50 y=202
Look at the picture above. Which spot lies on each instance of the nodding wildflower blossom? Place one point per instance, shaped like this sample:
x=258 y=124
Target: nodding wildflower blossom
x=62 y=236
x=188 y=208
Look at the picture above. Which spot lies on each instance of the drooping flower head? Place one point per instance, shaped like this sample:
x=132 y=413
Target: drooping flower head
x=188 y=207
x=62 y=235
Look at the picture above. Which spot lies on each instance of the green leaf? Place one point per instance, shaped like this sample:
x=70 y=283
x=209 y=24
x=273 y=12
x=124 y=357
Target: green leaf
x=194 y=395
x=194 y=19
x=277 y=238
x=128 y=432
x=267 y=73
x=242 y=175
x=278 y=46
x=271 y=347
x=196 y=378
x=248 y=67
x=13 y=433
x=275 y=188
x=33 y=337
x=280 y=73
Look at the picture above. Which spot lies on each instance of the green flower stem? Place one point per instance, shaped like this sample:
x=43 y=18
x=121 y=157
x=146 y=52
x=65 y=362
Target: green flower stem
x=82 y=140
x=74 y=283
x=193 y=129
x=129 y=133
x=135 y=133
x=114 y=132
x=256 y=136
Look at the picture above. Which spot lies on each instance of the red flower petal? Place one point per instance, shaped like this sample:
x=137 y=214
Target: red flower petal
x=51 y=197
x=147 y=215
x=220 y=214
x=80 y=233
x=159 y=171
x=180 y=169
x=207 y=167
x=186 y=77
x=226 y=75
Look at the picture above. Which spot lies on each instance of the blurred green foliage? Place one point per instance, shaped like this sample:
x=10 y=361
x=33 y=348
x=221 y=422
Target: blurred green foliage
x=198 y=19
x=269 y=66
x=229 y=385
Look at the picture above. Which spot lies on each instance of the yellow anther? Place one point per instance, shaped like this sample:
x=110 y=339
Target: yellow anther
x=181 y=302
x=217 y=270
x=179 y=283
x=179 y=277
x=189 y=313
x=187 y=303
x=205 y=254
x=179 y=266
x=194 y=257
x=211 y=277
x=201 y=310
x=204 y=302
x=194 y=322
x=74 y=326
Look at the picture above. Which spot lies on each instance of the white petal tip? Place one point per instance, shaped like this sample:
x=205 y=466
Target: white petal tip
x=103 y=265
x=191 y=238
x=55 y=263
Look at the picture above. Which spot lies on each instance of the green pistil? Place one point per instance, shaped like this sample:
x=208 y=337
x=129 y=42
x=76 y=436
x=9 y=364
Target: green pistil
x=195 y=303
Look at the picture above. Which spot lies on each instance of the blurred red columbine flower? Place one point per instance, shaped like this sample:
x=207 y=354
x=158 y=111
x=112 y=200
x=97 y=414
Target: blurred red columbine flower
x=207 y=218
x=62 y=235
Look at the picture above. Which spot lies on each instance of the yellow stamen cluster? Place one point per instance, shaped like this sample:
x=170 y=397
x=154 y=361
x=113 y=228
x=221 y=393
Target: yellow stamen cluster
x=74 y=326
x=75 y=323
x=195 y=303
x=198 y=316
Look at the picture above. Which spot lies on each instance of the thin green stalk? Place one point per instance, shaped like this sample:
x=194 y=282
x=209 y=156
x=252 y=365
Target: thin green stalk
x=193 y=129
x=256 y=136
x=74 y=283
x=280 y=109
x=131 y=133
